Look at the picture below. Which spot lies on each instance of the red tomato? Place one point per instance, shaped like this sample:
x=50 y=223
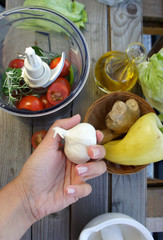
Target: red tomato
x=46 y=104
x=38 y=137
x=65 y=81
x=57 y=92
x=65 y=71
x=16 y=63
x=31 y=103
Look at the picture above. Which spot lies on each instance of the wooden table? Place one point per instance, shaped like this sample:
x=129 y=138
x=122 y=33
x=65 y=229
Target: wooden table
x=107 y=29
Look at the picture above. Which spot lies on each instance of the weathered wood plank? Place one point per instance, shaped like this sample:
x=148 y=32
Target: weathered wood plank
x=153 y=10
x=152 y=28
x=96 y=36
x=54 y=226
x=129 y=195
x=13 y=3
x=153 y=17
x=154 y=224
x=15 y=146
x=128 y=192
x=125 y=24
x=154 y=202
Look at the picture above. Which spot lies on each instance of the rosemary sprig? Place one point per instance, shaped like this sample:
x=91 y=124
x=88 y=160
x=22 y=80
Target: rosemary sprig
x=13 y=85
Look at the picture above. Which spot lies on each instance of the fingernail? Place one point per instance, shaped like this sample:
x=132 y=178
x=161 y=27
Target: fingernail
x=70 y=190
x=96 y=152
x=82 y=169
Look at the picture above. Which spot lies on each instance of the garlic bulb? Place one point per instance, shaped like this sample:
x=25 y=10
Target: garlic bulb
x=77 y=141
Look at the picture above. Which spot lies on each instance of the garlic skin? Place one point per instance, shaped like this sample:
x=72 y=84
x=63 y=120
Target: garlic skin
x=77 y=141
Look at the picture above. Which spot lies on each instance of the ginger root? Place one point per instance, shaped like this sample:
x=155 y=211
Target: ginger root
x=108 y=135
x=121 y=117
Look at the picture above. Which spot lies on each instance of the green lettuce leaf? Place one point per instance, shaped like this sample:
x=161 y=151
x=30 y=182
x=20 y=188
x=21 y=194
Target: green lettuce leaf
x=75 y=11
x=151 y=76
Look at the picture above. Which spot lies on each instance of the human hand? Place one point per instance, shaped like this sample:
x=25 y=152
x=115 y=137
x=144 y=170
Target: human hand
x=50 y=181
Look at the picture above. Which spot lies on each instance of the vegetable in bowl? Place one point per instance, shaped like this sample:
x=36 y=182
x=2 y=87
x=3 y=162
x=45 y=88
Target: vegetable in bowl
x=19 y=94
x=151 y=79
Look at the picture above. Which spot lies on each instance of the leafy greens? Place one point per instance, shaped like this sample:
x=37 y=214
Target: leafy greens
x=151 y=77
x=75 y=11
x=13 y=85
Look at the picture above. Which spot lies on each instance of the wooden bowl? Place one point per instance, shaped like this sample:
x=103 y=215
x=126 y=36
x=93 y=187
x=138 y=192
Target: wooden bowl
x=96 y=116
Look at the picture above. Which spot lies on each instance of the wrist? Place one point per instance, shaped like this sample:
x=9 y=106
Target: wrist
x=14 y=212
x=24 y=204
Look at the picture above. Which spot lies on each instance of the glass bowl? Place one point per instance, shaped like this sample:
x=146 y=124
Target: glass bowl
x=24 y=27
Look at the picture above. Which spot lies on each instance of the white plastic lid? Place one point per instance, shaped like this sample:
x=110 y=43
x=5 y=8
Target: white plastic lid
x=37 y=73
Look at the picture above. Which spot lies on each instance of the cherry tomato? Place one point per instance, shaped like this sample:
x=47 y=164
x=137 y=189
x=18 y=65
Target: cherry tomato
x=31 y=103
x=65 y=81
x=65 y=71
x=46 y=104
x=38 y=137
x=16 y=63
x=57 y=92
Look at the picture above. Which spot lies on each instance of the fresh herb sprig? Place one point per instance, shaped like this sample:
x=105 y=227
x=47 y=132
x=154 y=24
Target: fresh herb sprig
x=13 y=85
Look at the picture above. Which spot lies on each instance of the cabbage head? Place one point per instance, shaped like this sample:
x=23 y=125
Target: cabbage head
x=75 y=11
x=151 y=77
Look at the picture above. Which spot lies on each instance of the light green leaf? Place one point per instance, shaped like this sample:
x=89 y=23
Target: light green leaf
x=75 y=11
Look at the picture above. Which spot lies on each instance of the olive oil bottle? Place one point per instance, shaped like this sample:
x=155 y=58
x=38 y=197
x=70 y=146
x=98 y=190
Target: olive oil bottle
x=117 y=71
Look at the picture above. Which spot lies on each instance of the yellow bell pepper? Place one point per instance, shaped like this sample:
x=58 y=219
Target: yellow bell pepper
x=142 y=144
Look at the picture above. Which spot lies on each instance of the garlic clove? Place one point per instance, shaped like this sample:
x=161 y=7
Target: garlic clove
x=76 y=152
x=83 y=133
x=77 y=141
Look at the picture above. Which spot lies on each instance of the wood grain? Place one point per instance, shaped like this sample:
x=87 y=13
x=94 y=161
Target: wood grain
x=154 y=202
x=153 y=10
x=154 y=224
x=96 y=36
x=125 y=25
x=54 y=226
x=128 y=192
x=129 y=195
x=153 y=28
x=153 y=17
x=13 y=3
x=15 y=146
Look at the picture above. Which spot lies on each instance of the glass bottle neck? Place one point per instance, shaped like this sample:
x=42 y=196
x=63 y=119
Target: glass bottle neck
x=136 y=52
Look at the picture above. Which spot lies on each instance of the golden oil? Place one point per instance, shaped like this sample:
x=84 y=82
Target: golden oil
x=115 y=71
